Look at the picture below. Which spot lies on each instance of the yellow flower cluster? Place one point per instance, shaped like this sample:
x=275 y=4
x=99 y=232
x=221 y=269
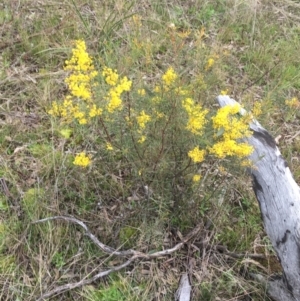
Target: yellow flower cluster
x=142 y=119
x=196 y=178
x=109 y=146
x=196 y=155
x=211 y=61
x=82 y=72
x=230 y=128
x=78 y=104
x=82 y=160
x=141 y=92
x=256 y=111
x=209 y=64
x=142 y=139
x=231 y=148
x=293 y=103
x=111 y=76
x=117 y=88
x=169 y=77
x=224 y=92
x=196 y=116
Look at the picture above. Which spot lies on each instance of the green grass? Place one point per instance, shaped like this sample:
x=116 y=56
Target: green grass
x=255 y=47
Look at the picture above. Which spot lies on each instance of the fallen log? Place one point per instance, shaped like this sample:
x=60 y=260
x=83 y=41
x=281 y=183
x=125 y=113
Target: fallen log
x=278 y=196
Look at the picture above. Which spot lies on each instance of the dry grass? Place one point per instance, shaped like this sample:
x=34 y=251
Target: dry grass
x=256 y=43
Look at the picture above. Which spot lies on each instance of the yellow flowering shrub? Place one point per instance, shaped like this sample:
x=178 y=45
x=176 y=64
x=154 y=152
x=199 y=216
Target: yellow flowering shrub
x=157 y=127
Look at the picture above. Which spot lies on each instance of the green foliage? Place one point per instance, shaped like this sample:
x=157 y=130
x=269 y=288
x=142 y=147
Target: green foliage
x=30 y=202
x=206 y=291
x=126 y=235
x=112 y=293
x=117 y=290
x=58 y=260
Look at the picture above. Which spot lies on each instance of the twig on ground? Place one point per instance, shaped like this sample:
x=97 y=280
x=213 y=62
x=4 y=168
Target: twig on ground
x=67 y=287
x=113 y=251
x=133 y=253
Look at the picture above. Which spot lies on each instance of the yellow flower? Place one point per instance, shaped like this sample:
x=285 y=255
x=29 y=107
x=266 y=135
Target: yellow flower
x=79 y=115
x=142 y=119
x=141 y=92
x=232 y=126
x=229 y=128
x=111 y=76
x=231 y=148
x=118 y=87
x=125 y=84
x=196 y=154
x=94 y=111
x=82 y=72
x=257 y=109
x=196 y=178
x=210 y=63
x=222 y=170
x=115 y=102
x=109 y=146
x=83 y=121
x=224 y=92
x=247 y=163
x=142 y=139
x=54 y=111
x=293 y=103
x=82 y=160
x=159 y=114
x=196 y=116
x=169 y=77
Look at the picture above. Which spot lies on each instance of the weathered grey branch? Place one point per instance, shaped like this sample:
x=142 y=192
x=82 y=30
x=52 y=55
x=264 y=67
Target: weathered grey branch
x=133 y=253
x=184 y=290
x=279 y=199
